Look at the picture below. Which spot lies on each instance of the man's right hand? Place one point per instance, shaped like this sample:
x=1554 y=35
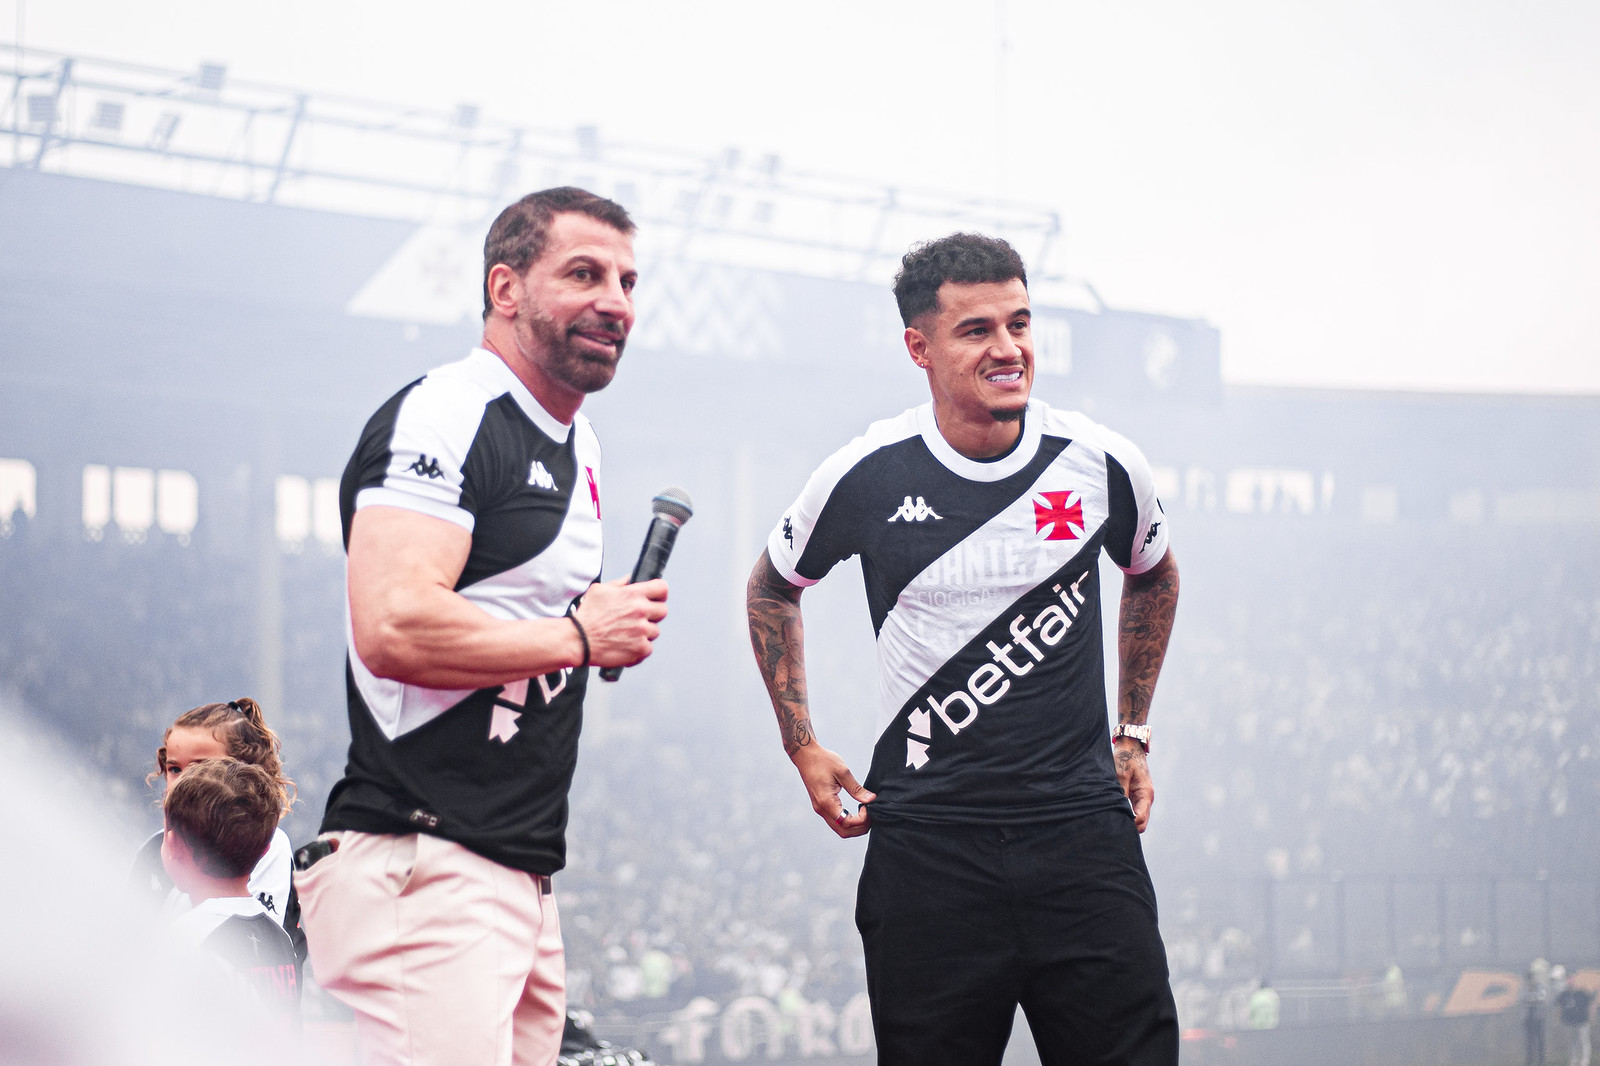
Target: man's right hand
x=621 y=620
x=825 y=776
x=410 y=625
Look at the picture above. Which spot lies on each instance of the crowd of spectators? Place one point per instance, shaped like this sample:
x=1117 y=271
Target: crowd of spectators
x=1358 y=705
x=1341 y=702
x=684 y=881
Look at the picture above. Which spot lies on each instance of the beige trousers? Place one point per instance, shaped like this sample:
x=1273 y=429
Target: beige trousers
x=446 y=958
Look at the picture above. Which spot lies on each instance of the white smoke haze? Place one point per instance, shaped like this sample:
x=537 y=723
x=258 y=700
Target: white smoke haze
x=1363 y=366
x=88 y=978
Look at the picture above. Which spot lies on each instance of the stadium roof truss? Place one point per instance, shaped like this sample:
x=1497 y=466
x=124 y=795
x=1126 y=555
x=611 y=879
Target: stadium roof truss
x=204 y=132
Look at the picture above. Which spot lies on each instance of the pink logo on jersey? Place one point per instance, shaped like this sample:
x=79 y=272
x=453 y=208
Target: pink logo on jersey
x=594 y=490
x=1059 y=514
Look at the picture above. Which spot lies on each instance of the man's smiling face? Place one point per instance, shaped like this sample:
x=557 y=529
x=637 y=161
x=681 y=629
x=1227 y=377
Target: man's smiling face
x=576 y=305
x=978 y=351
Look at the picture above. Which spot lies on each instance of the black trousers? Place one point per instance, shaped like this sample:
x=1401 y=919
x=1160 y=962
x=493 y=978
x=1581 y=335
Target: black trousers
x=962 y=924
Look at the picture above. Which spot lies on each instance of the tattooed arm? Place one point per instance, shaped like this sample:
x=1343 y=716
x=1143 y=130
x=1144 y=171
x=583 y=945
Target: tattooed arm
x=778 y=637
x=1149 y=602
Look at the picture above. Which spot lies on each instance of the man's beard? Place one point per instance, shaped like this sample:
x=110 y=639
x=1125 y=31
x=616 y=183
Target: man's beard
x=1008 y=416
x=565 y=360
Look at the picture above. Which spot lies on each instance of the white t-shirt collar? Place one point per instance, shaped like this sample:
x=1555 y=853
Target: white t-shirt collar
x=975 y=469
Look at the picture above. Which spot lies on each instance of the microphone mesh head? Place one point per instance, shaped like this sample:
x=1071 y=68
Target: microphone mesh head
x=673 y=502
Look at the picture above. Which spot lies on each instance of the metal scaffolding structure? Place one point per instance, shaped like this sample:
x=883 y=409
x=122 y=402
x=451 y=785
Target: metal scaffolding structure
x=205 y=132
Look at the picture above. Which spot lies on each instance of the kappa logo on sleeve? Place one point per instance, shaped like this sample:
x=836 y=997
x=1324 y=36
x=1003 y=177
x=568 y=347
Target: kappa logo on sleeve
x=425 y=467
x=1149 y=538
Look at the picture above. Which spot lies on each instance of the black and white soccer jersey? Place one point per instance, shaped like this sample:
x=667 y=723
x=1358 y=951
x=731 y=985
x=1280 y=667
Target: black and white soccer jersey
x=269 y=881
x=983 y=584
x=490 y=768
x=251 y=946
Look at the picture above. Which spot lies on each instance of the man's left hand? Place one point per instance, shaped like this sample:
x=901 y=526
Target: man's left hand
x=1133 y=774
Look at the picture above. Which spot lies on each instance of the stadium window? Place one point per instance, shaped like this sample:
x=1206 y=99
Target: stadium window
x=1380 y=503
x=1239 y=496
x=1200 y=489
x=212 y=76
x=41 y=109
x=293 y=511
x=1297 y=491
x=108 y=115
x=326 y=525
x=1467 y=507
x=1052 y=345
x=19 y=486
x=133 y=501
x=96 y=500
x=1264 y=491
x=177 y=503
x=1549 y=507
x=1166 y=482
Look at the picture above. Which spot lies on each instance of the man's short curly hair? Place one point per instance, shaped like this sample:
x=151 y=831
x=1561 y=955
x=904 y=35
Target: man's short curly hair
x=964 y=258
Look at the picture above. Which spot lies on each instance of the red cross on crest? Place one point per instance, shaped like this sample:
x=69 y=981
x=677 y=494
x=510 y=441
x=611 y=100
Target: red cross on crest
x=1059 y=515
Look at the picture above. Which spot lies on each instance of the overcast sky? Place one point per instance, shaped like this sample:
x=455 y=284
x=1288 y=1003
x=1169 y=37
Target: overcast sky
x=1382 y=194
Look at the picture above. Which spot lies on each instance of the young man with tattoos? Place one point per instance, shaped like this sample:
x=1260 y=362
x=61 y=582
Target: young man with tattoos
x=1004 y=866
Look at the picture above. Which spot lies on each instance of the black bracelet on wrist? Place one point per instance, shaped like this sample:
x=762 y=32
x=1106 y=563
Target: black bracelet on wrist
x=572 y=613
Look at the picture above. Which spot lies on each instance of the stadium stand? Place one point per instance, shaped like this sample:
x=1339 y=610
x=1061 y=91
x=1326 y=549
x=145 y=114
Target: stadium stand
x=1376 y=736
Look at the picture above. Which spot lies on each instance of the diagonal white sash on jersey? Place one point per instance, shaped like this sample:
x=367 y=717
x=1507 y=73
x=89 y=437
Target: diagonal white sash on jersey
x=1001 y=561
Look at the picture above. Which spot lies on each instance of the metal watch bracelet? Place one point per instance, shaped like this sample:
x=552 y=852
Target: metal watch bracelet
x=1141 y=733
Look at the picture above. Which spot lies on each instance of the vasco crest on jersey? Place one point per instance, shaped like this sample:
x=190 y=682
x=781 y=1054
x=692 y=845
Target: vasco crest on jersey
x=1058 y=515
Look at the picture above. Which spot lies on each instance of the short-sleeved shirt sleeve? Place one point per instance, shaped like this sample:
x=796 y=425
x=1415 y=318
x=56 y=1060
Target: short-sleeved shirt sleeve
x=414 y=451
x=815 y=532
x=1136 y=531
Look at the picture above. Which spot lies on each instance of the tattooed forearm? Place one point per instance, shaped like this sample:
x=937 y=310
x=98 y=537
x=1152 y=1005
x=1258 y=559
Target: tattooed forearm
x=1125 y=758
x=796 y=729
x=1149 y=603
x=777 y=635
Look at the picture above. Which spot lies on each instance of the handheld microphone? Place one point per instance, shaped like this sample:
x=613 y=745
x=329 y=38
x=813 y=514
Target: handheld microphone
x=672 y=508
